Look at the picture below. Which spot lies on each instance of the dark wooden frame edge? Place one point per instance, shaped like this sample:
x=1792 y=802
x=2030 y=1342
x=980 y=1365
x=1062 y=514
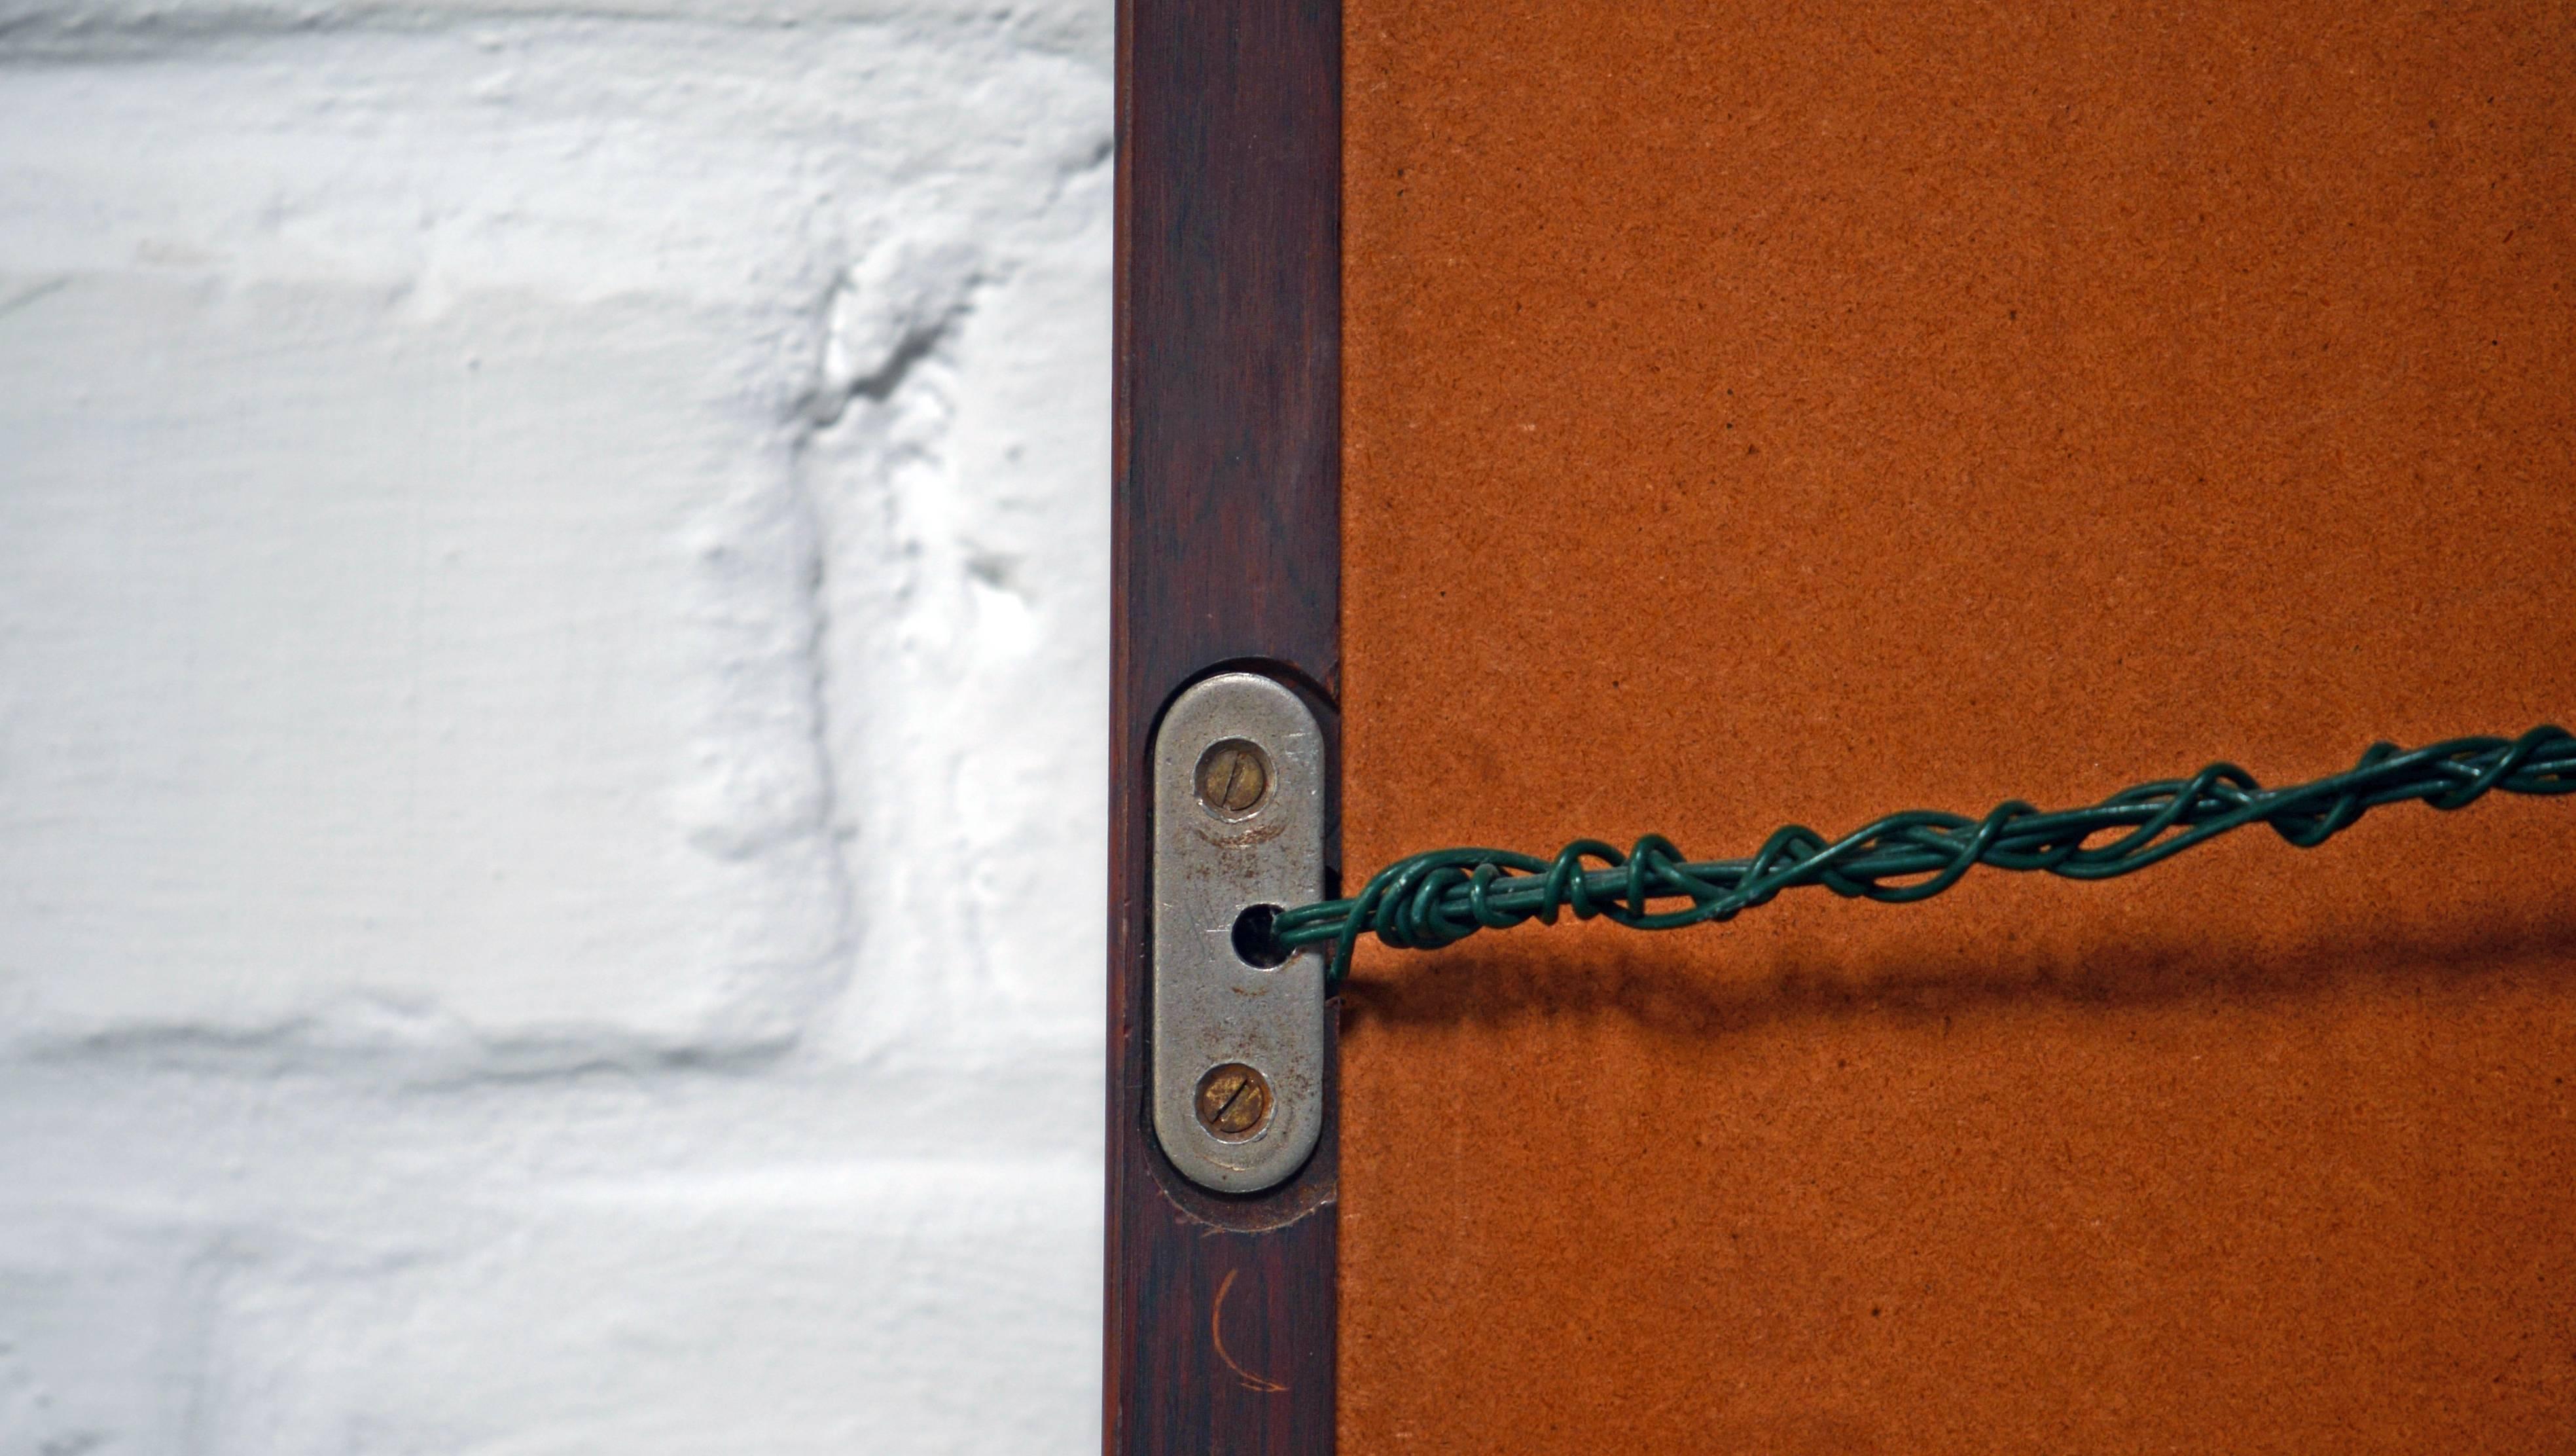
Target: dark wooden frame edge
x=1226 y=551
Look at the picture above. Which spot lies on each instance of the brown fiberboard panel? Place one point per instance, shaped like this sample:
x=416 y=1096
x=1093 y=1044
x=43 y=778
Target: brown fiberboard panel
x=1795 y=412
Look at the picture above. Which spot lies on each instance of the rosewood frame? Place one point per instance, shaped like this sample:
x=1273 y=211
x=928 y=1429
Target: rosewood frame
x=1220 y=1313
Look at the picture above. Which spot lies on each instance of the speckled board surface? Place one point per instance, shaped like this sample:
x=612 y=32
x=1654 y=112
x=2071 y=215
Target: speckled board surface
x=1757 y=413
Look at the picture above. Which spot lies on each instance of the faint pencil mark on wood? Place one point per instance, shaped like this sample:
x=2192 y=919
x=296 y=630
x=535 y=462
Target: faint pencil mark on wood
x=1216 y=1337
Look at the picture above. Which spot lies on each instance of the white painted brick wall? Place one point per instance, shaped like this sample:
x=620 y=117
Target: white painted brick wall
x=553 y=578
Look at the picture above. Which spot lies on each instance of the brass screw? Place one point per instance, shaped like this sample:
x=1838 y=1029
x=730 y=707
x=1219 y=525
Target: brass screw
x=1234 y=1100
x=1233 y=777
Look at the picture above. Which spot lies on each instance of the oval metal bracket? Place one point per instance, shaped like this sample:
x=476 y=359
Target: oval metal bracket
x=1225 y=845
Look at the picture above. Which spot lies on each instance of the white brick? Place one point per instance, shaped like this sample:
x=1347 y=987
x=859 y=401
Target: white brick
x=359 y=664
x=422 y=448
x=97 y=1332
x=907 y=1308
x=195 y=1260
x=553 y=572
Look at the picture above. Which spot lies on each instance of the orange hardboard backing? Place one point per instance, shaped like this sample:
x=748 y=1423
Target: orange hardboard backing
x=1790 y=412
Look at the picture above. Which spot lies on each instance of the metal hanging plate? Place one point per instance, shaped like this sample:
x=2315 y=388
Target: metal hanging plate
x=1238 y=1063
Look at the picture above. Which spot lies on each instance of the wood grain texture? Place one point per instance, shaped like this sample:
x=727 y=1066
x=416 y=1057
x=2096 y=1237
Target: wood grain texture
x=1782 y=412
x=1220 y=1311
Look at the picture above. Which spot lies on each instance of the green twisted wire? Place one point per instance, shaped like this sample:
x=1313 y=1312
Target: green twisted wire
x=1429 y=900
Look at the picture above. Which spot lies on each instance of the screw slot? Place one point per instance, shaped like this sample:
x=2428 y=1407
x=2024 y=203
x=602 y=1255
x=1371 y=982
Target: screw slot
x=1233 y=778
x=1234 y=1102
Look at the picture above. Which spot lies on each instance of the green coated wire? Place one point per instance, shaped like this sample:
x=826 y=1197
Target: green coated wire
x=1438 y=898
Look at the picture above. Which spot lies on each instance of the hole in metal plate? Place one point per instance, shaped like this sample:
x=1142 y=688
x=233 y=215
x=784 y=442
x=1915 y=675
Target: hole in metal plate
x=1256 y=938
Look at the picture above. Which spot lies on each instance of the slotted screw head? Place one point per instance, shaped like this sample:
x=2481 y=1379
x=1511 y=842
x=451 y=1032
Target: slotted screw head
x=1234 y=1100
x=1233 y=777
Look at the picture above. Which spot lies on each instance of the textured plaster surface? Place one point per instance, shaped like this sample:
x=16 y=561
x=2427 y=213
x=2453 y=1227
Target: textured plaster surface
x=553 y=574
